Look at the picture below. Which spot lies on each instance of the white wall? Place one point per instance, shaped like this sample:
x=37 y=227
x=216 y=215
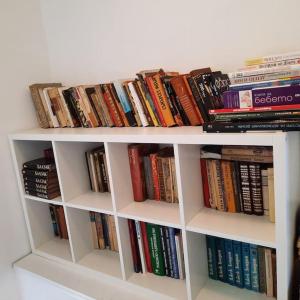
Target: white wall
x=92 y=41
x=23 y=60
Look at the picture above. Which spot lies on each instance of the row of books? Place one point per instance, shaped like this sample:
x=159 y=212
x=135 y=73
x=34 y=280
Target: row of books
x=103 y=231
x=97 y=170
x=40 y=177
x=243 y=265
x=153 y=98
x=153 y=173
x=264 y=95
x=239 y=179
x=58 y=221
x=156 y=249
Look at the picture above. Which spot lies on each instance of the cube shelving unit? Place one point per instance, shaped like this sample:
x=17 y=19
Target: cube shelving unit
x=189 y=214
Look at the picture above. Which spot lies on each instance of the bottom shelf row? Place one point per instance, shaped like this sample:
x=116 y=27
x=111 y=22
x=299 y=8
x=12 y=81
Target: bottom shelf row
x=154 y=256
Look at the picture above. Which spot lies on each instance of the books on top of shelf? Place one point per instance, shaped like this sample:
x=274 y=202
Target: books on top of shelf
x=58 y=221
x=238 y=180
x=103 y=231
x=154 y=98
x=242 y=265
x=97 y=170
x=156 y=249
x=40 y=176
x=153 y=174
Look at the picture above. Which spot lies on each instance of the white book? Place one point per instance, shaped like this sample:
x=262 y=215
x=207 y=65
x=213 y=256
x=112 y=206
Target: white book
x=138 y=104
x=65 y=107
x=265 y=190
x=179 y=253
x=140 y=244
x=53 y=117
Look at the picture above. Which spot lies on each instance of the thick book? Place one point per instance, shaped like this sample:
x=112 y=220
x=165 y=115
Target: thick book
x=155 y=249
x=146 y=246
x=265 y=190
x=248 y=158
x=221 y=259
x=254 y=268
x=217 y=185
x=173 y=252
x=211 y=257
x=272 y=58
x=29 y=185
x=48 y=196
x=32 y=179
x=140 y=245
x=62 y=222
x=262 y=269
x=256 y=189
x=229 y=258
x=148 y=177
x=237 y=186
x=269 y=273
x=94 y=230
x=274 y=271
x=40 y=164
x=246 y=188
x=271 y=195
x=134 y=247
x=247 y=150
x=54 y=219
x=205 y=184
x=238 y=268
x=229 y=195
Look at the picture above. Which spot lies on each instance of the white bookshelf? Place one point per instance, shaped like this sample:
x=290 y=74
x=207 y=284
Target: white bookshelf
x=189 y=215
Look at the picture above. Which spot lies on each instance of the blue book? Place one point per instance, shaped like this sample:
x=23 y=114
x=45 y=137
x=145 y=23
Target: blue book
x=238 y=269
x=173 y=252
x=229 y=261
x=211 y=257
x=254 y=268
x=246 y=265
x=221 y=261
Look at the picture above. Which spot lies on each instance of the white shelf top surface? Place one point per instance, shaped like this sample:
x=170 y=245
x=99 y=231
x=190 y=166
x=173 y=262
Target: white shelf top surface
x=182 y=135
x=236 y=226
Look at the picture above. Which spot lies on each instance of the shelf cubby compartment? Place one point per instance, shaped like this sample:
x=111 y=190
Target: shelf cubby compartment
x=42 y=234
x=148 y=210
x=104 y=260
x=201 y=286
x=74 y=176
x=170 y=287
x=198 y=218
x=26 y=151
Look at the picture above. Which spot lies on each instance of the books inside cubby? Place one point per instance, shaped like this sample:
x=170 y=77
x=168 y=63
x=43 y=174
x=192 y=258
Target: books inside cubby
x=86 y=252
x=146 y=210
x=74 y=172
x=44 y=235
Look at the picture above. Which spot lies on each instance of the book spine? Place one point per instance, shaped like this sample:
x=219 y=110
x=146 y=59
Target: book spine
x=246 y=263
x=271 y=195
x=32 y=165
x=228 y=186
x=66 y=111
x=180 y=258
x=68 y=95
x=164 y=251
x=136 y=170
x=38 y=173
x=62 y=222
x=221 y=261
x=153 y=159
x=269 y=272
x=229 y=261
x=167 y=179
x=57 y=106
x=237 y=186
x=40 y=180
x=146 y=247
x=94 y=230
x=140 y=245
x=54 y=219
x=261 y=151
x=174 y=180
x=50 y=109
x=211 y=257
x=272 y=58
x=134 y=247
x=110 y=225
x=168 y=248
x=162 y=192
x=256 y=189
x=80 y=109
x=274 y=272
x=148 y=177
x=205 y=185
x=134 y=109
x=221 y=205
x=99 y=230
x=173 y=252
x=246 y=190
x=248 y=158
x=155 y=249
x=262 y=270
x=43 y=195
x=238 y=269
x=33 y=186
x=211 y=185
x=105 y=231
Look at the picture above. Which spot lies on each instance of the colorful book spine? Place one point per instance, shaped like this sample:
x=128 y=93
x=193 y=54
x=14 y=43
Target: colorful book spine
x=272 y=58
x=246 y=265
x=238 y=268
x=229 y=258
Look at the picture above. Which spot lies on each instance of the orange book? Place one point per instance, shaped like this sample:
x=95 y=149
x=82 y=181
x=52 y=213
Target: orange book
x=226 y=170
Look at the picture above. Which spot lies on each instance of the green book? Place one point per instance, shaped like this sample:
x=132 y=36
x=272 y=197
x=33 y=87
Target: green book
x=156 y=253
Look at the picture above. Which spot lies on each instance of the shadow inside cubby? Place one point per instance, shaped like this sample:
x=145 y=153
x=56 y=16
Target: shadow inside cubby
x=84 y=236
x=26 y=151
x=167 y=286
x=125 y=165
x=79 y=178
x=43 y=232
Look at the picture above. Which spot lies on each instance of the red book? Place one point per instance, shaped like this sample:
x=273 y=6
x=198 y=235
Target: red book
x=205 y=184
x=153 y=160
x=146 y=247
x=134 y=247
x=137 y=172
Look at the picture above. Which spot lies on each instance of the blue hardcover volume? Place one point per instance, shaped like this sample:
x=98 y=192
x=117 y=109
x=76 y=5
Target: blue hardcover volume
x=246 y=265
x=238 y=269
x=254 y=268
x=211 y=257
x=173 y=252
x=221 y=262
x=229 y=261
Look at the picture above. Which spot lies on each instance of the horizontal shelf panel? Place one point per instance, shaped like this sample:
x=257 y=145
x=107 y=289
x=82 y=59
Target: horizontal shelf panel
x=175 y=288
x=56 y=247
x=152 y=211
x=186 y=135
x=104 y=261
x=93 y=201
x=236 y=226
x=56 y=200
x=218 y=290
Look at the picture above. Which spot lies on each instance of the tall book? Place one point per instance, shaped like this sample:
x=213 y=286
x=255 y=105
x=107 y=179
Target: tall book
x=254 y=268
x=134 y=247
x=205 y=184
x=238 y=268
x=246 y=263
x=173 y=252
x=211 y=257
x=256 y=189
x=269 y=272
x=140 y=245
x=229 y=258
x=146 y=246
x=227 y=176
x=262 y=269
x=271 y=195
x=246 y=189
x=265 y=190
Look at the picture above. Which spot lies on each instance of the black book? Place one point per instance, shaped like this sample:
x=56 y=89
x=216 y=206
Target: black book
x=44 y=164
x=237 y=187
x=256 y=189
x=164 y=248
x=33 y=185
x=71 y=106
x=213 y=127
x=40 y=180
x=39 y=173
x=245 y=188
x=43 y=195
x=169 y=254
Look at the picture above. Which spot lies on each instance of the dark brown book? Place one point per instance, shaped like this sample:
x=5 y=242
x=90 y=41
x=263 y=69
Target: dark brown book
x=62 y=222
x=75 y=116
x=39 y=173
x=40 y=164
x=34 y=185
x=274 y=271
x=262 y=270
x=137 y=266
x=43 y=195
